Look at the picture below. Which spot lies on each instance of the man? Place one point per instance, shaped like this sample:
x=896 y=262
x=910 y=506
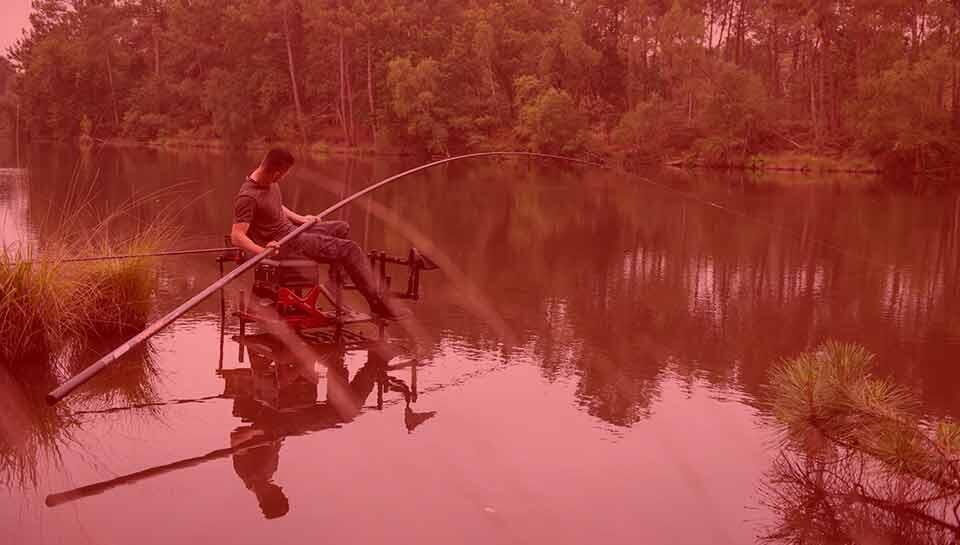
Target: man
x=260 y=219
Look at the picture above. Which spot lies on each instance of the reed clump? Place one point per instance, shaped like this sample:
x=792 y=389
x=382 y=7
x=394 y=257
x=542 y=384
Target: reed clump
x=48 y=300
x=32 y=305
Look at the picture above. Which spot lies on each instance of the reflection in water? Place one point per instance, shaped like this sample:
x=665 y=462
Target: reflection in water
x=15 y=231
x=616 y=291
x=613 y=280
x=277 y=397
x=846 y=496
x=621 y=280
x=32 y=433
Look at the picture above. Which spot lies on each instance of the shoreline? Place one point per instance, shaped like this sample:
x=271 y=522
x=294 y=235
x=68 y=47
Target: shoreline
x=317 y=148
x=788 y=162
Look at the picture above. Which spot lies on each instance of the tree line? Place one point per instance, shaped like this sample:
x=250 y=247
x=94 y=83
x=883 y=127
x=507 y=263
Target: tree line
x=723 y=80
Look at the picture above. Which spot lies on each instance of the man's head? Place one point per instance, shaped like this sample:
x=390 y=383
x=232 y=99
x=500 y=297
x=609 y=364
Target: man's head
x=276 y=164
x=273 y=502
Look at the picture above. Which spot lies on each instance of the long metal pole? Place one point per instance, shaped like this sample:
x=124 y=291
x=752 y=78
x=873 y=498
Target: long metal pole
x=73 y=383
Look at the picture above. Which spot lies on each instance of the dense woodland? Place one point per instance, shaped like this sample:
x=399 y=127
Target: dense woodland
x=722 y=80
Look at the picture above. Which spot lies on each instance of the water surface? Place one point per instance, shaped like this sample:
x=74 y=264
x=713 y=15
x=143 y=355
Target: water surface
x=593 y=355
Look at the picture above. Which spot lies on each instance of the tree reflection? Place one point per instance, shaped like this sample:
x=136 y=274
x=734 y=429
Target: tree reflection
x=618 y=282
x=846 y=496
x=278 y=397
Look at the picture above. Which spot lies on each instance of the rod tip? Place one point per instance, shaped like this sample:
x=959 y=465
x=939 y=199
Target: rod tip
x=51 y=399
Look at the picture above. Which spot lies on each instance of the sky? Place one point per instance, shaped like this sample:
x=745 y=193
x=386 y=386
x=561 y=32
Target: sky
x=13 y=18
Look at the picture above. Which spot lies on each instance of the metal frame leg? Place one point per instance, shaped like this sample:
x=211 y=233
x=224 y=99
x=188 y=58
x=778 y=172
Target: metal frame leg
x=243 y=324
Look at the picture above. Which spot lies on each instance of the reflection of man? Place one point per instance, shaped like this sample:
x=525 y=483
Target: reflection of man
x=256 y=466
x=260 y=396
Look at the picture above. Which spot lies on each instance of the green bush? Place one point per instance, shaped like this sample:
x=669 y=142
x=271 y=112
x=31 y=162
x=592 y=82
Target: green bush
x=550 y=122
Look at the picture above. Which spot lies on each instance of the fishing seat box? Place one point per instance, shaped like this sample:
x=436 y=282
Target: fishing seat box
x=296 y=274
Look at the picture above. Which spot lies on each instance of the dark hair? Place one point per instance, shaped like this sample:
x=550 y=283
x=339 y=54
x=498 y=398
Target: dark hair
x=277 y=160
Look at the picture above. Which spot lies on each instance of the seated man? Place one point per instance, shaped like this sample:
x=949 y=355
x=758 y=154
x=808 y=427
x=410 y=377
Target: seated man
x=260 y=220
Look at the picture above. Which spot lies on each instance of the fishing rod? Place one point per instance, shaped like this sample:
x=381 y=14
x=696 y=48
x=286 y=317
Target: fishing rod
x=133 y=256
x=81 y=378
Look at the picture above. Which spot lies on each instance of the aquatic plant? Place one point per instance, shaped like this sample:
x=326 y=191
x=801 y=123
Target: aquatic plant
x=36 y=307
x=859 y=462
x=46 y=301
x=119 y=290
x=832 y=391
x=33 y=434
x=47 y=298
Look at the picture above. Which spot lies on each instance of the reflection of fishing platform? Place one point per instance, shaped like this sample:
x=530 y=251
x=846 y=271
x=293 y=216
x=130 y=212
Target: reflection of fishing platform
x=285 y=378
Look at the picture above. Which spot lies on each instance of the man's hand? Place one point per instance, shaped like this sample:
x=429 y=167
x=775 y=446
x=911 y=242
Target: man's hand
x=311 y=217
x=297 y=218
x=271 y=244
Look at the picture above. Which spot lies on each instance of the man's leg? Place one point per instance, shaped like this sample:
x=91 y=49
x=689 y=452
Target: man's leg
x=347 y=254
x=336 y=229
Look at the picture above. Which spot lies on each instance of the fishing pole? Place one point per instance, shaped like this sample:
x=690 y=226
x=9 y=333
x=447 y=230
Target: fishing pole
x=132 y=256
x=81 y=378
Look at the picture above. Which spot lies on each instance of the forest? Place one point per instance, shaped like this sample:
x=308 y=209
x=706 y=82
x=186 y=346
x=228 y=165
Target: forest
x=721 y=82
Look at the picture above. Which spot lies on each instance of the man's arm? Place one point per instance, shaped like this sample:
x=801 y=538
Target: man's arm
x=239 y=238
x=296 y=218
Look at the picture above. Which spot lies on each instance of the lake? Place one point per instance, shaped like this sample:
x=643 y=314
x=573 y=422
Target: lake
x=593 y=355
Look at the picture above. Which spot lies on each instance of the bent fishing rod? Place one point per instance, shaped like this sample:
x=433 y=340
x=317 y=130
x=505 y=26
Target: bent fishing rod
x=82 y=377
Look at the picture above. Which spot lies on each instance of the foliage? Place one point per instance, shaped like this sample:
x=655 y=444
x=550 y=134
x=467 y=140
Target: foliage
x=48 y=302
x=833 y=393
x=415 y=93
x=898 y=117
x=858 y=461
x=550 y=122
x=729 y=79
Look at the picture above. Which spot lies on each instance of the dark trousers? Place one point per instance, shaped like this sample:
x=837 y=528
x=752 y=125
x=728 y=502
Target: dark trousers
x=327 y=242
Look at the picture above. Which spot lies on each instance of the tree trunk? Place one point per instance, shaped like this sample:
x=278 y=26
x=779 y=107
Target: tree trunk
x=710 y=27
x=113 y=93
x=352 y=118
x=775 y=60
x=373 y=110
x=156 y=52
x=723 y=30
x=956 y=95
x=738 y=46
x=819 y=85
x=342 y=108
x=293 y=80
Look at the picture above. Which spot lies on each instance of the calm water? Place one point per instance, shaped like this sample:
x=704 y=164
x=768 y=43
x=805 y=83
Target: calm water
x=593 y=357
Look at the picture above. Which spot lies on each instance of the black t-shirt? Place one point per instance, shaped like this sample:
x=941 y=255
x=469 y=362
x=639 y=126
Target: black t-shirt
x=261 y=207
